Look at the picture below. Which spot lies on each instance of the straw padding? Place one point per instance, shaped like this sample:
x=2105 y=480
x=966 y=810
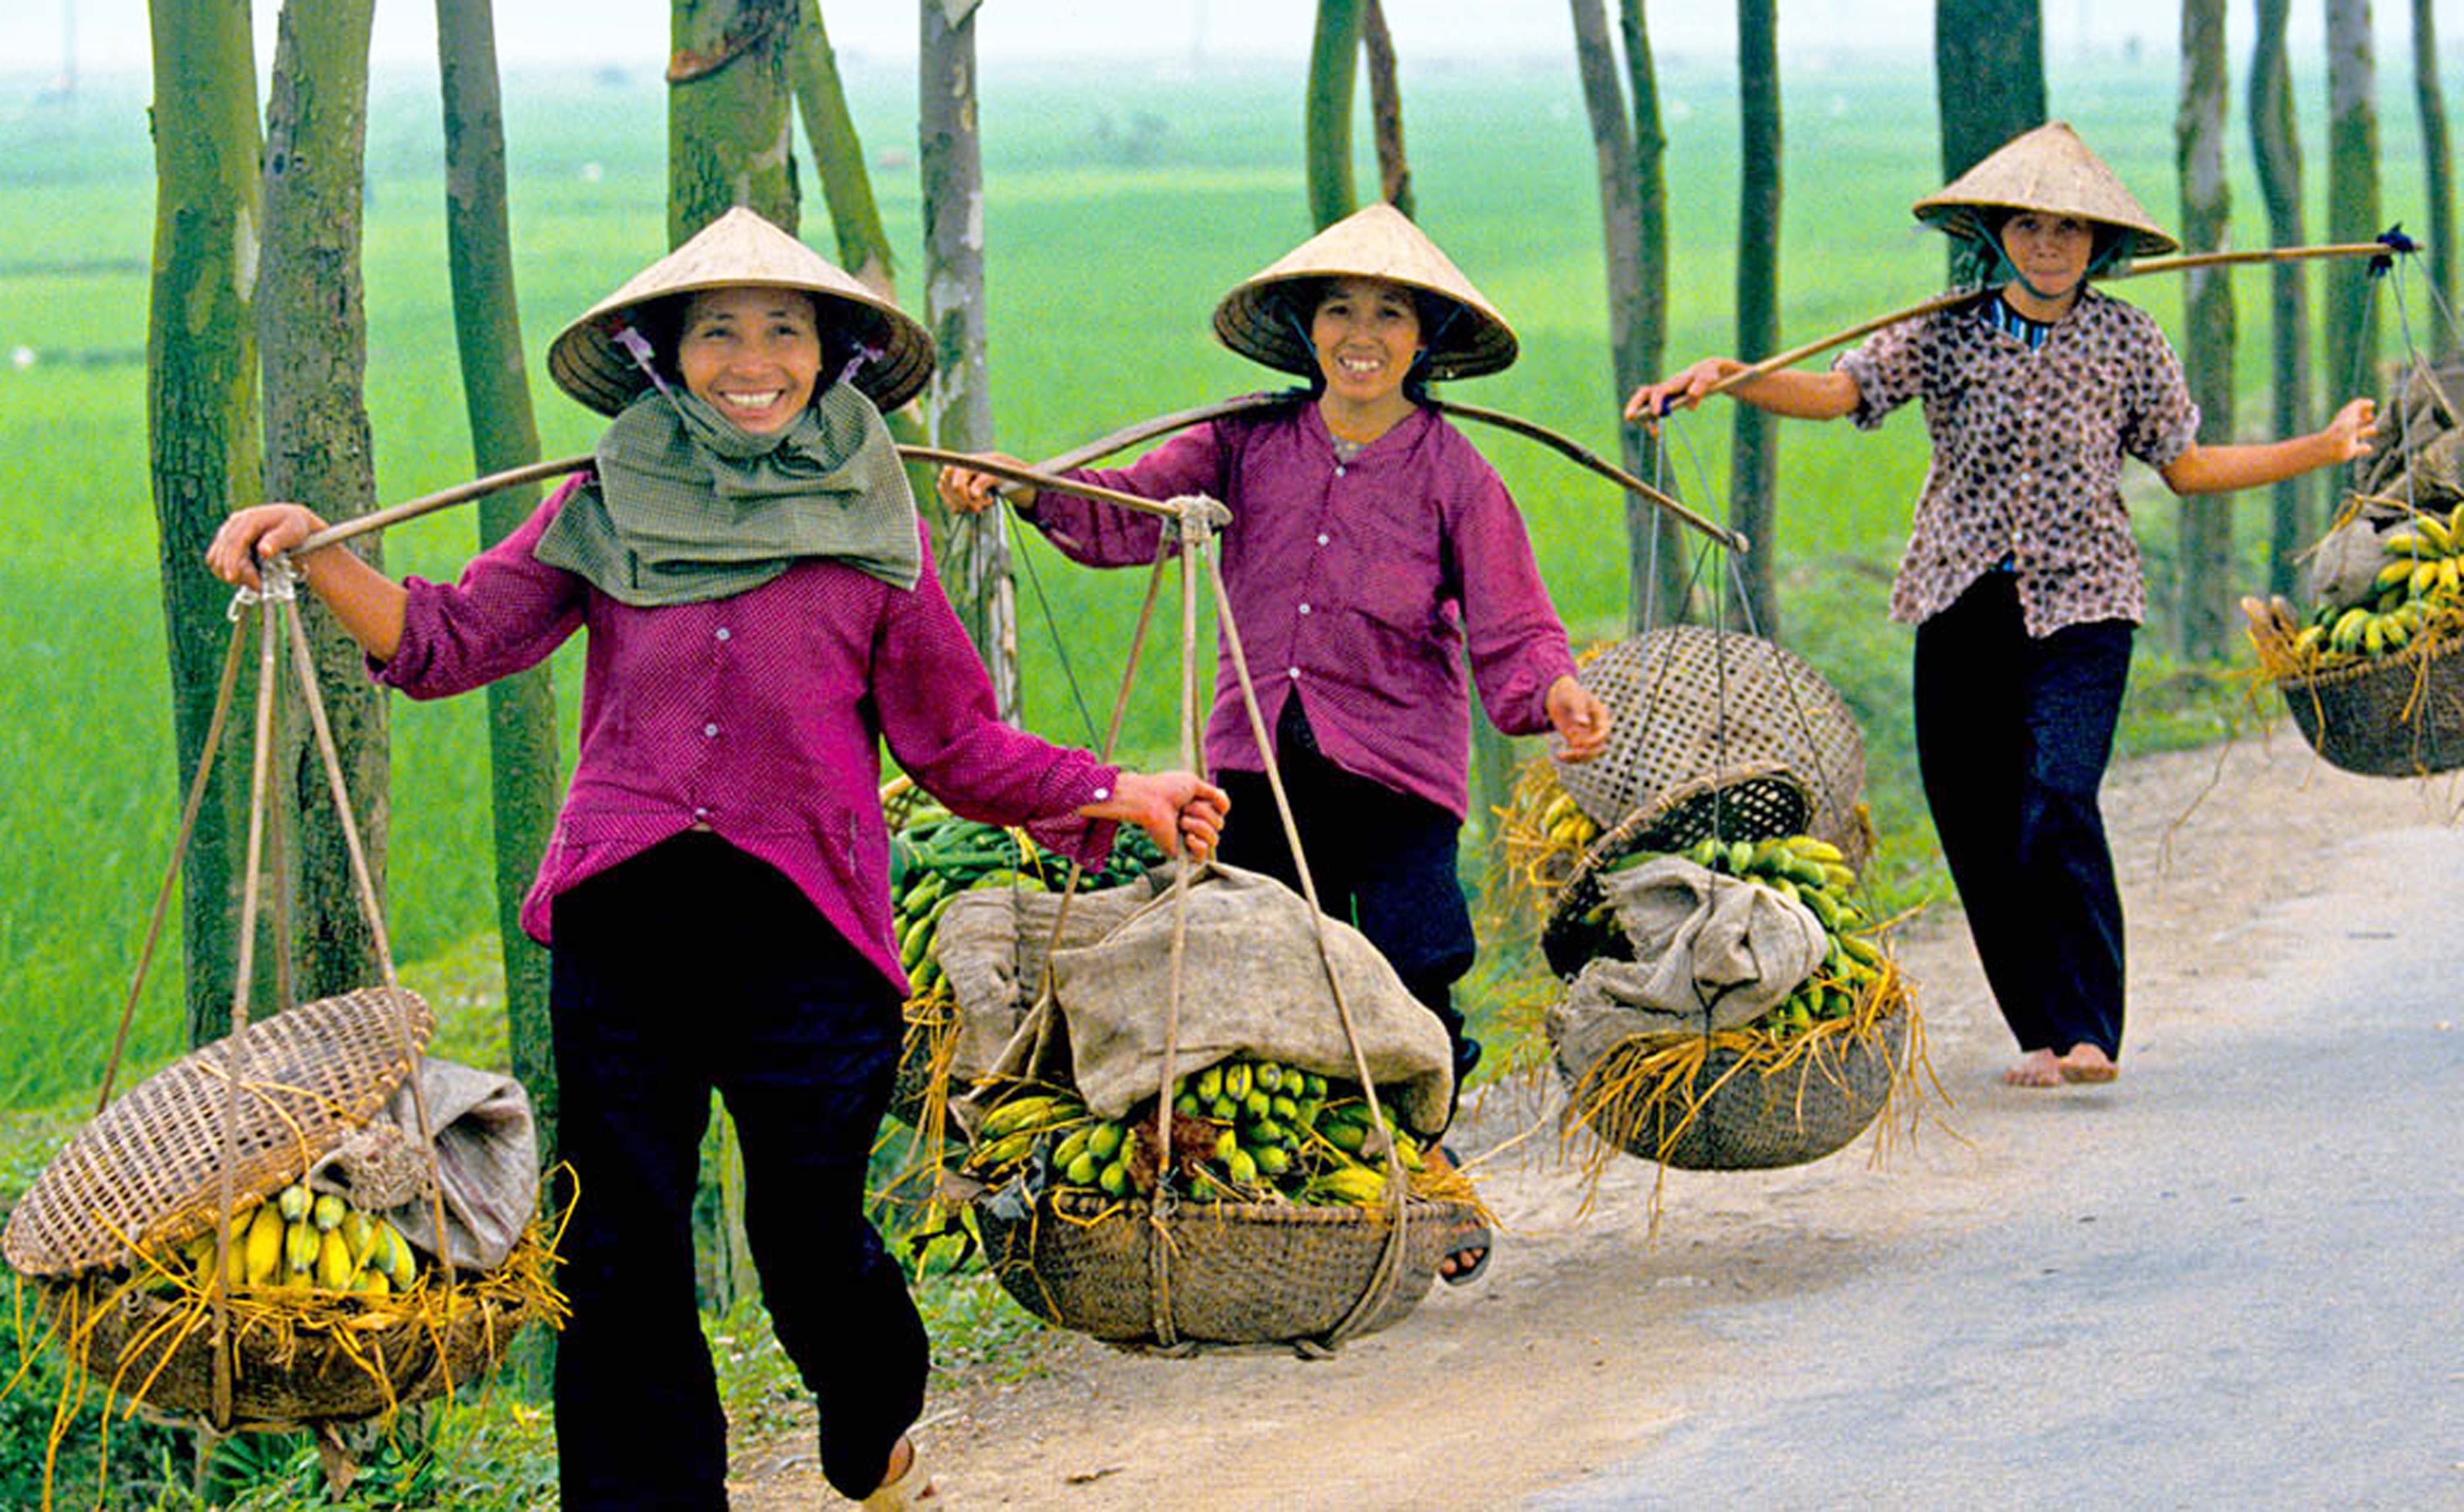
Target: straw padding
x=1735 y=1114
x=1699 y=706
x=2399 y=716
x=147 y=1171
x=341 y=1360
x=1240 y=1273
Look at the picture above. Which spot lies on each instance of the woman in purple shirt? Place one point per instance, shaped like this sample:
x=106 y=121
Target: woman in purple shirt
x=2021 y=573
x=763 y=615
x=1371 y=548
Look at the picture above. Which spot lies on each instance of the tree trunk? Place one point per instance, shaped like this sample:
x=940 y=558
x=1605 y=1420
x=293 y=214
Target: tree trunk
x=2352 y=333
x=2277 y=151
x=1657 y=546
x=1333 y=61
x=2438 y=165
x=958 y=402
x=1989 y=76
x=1637 y=281
x=312 y=340
x=202 y=449
x=496 y=398
x=846 y=190
x=1754 y=464
x=2204 y=521
x=1385 y=106
x=730 y=137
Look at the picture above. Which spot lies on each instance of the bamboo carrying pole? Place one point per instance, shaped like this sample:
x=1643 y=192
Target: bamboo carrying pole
x=530 y=473
x=1564 y=445
x=2182 y=264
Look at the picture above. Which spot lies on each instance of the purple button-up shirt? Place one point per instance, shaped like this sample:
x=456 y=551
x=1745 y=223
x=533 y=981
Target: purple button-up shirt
x=759 y=716
x=1355 y=586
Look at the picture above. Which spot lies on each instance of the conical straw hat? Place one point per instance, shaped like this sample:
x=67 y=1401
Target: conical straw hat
x=2048 y=169
x=742 y=248
x=1378 y=242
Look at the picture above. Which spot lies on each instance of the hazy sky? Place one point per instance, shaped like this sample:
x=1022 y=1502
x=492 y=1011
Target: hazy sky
x=111 y=34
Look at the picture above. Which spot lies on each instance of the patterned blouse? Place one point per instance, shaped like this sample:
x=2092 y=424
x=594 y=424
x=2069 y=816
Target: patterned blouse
x=2027 y=452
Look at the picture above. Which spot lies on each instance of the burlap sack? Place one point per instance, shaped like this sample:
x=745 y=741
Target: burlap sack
x=1710 y=953
x=992 y=949
x=487 y=1156
x=2344 y=565
x=1252 y=983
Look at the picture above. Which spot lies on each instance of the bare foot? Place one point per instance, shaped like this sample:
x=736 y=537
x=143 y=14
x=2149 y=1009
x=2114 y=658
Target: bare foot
x=895 y=1493
x=2087 y=1062
x=2035 y=1068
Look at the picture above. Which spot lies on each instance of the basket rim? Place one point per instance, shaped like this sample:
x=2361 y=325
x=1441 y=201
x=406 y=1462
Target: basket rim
x=2429 y=648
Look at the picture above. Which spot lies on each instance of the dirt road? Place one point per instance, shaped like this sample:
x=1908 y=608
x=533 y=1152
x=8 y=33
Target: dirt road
x=2231 y=1273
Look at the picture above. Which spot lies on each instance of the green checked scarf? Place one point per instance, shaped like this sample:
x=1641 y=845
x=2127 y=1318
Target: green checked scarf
x=688 y=507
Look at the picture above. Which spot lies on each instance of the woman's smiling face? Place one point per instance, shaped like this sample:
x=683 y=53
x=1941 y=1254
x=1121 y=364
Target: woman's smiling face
x=1366 y=332
x=753 y=354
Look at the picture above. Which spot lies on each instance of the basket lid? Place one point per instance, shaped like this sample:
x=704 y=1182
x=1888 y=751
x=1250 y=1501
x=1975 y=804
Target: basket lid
x=1692 y=703
x=147 y=1171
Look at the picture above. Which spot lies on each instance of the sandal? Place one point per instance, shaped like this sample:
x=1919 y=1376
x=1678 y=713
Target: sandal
x=1474 y=1237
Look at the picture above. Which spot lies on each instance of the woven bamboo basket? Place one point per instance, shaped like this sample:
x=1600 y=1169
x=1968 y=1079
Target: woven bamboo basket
x=2400 y=716
x=1753 y=804
x=1740 y=1117
x=1698 y=706
x=1238 y=1273
x=146 y=1171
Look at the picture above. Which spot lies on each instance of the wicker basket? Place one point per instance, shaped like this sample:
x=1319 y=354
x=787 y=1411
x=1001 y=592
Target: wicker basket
x=291 y=1376
x=1238 y=1273
x=147 y=1171
x=2400 y=716
x=1698 y=706
x=1747 y=805
x=1738 y=1117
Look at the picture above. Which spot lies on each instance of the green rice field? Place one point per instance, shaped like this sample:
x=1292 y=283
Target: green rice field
x=1112 y=223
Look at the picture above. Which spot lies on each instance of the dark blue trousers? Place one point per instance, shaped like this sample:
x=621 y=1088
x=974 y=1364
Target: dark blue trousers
x=2013 y=736
x=1383 y=861
x=692 y=968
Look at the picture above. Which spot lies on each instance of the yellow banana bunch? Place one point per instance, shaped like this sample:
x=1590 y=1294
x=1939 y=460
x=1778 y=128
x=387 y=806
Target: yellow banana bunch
x=324 y=1243
x=2418 y=590
x=1565 y=823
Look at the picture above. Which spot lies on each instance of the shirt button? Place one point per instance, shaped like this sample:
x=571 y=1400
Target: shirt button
x=711 y=730
x=1103 y=792
x=1293 y=672
x=1305 y=608
x=1321 y=539
x=701 y=813
x=722 y=633
x=1338 y=470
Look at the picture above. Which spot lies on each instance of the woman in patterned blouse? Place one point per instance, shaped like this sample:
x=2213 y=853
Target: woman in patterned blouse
x=2021 y=573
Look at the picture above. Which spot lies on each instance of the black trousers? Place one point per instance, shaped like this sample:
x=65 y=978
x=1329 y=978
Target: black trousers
x=1383 y=861
x=690 y=968
x=2013 y=736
